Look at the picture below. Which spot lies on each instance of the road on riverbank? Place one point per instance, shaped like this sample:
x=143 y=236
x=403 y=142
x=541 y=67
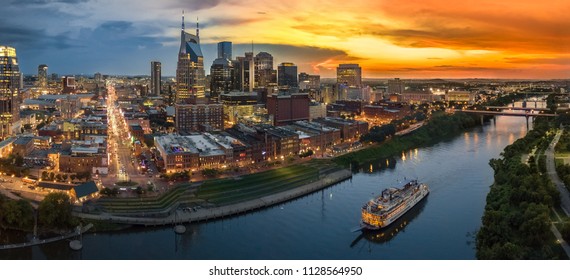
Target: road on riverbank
x=551 y=170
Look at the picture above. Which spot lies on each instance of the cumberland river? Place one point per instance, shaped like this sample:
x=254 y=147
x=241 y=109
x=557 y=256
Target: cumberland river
x=320 y=225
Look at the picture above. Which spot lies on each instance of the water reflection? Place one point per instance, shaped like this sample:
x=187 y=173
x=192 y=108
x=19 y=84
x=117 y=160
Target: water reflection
x=378 y=165
x=387 y=234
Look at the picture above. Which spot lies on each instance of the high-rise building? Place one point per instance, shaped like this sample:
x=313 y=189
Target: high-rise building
x=225 y=50
x=349 y=74
x=42 y=76
x=9 y=91
x=287 y=75
x=68 y=84
x=309 y=82
x=245 y=74
x=265 y=75
x=155 y=77
x=221 y=77
x=190 y=75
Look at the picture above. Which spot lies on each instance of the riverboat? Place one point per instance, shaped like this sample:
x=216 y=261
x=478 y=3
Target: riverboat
x=391 y=204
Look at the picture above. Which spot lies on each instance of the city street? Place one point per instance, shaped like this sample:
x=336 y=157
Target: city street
x=123 y=165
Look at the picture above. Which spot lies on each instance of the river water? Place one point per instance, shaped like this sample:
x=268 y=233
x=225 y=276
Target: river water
x=320 y=225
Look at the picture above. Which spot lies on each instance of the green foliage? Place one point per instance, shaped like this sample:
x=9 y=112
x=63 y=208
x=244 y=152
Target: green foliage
x=17 y=214
x=308 y=153
x=109 y=191
x=439 y=127
x=55 y=211
x=210 y=173
x=516 y=223
x=178 y=176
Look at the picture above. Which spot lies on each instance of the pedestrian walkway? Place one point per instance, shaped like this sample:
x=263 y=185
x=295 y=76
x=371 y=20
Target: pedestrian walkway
x=204 y=214
x=34 y=242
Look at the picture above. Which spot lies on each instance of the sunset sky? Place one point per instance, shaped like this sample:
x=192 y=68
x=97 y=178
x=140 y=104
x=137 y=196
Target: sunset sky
x=407 y=39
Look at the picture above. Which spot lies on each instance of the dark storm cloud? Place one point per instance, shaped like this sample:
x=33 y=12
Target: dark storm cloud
x=31 y=38
x=115 y=35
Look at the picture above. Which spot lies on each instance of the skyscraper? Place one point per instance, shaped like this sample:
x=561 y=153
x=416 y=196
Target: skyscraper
x=287 y=75
x=42 y=76
x=225 y=50
x=349 y=74
x=190 y=75
x=155 y=77
x=265 y=75
x=221 y=77
x=9 y=91
x=245 y=74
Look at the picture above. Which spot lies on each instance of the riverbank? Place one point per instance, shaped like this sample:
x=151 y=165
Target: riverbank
x=440 y=127
x=516 y=223
x=204 y=214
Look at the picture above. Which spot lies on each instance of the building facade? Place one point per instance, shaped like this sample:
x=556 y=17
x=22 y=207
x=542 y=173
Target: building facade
x=349 y=74
x=287 y=108
x=42 y=76
x=287 y=75
x=155 y=77
x=237 y=105
x=225 y=50
x=9 y=92
x=199 y=117
x=221 y=77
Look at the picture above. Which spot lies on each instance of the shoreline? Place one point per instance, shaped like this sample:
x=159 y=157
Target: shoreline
x=206 y=214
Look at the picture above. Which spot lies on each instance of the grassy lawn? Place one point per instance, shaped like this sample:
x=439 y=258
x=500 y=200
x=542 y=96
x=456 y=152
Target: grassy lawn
x=234 y=190
x=226 y=191
x=146 y=204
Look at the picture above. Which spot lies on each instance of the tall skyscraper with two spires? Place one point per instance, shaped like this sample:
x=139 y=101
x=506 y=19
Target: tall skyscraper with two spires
x=190 y=75
x=9 y=92
x=192 y=109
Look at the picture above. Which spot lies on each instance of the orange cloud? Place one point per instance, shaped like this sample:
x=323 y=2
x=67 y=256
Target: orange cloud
x=414 y=38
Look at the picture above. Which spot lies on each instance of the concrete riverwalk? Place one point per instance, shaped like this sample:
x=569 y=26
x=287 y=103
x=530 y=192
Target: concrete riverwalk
x=34 y=242
x=204 y=214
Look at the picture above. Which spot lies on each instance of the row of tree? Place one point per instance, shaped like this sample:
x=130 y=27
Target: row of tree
x=62 y=177
x=516 y=221
x=54 y=213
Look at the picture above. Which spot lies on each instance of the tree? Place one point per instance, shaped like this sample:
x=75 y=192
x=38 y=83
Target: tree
x=18 y=213
x=55 y=211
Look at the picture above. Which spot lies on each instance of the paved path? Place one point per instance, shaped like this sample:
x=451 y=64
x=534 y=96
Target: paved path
x=203 y=214
x=564 y=194
x=551 y=170
x=34 y=242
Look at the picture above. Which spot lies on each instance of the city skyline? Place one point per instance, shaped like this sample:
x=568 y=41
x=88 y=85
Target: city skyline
x=416 y=39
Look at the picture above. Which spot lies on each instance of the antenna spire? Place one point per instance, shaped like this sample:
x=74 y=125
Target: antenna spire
x=197 y=27
x=182 y=20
